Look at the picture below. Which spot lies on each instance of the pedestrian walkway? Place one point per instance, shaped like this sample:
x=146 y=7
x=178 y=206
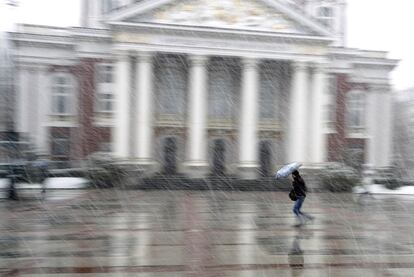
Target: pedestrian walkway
x=211 y=233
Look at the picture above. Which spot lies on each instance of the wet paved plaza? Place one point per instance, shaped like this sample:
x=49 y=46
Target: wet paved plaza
x=212 y=233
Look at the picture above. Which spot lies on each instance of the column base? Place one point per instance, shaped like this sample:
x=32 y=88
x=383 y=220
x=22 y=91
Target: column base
x=378 y=172
x=147 y=166
x=196 y=169
x=312 y=166
x=143 y=166
x=248 y=171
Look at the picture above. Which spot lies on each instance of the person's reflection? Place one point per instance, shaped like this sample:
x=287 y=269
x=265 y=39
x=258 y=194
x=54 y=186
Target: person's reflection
x=295 y=256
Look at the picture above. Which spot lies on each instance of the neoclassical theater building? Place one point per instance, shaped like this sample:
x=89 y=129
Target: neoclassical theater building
x=201 y=86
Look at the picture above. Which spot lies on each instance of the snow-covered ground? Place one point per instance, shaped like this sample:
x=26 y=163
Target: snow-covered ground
x=51 y=183
x=72 y=187
x=380 y=189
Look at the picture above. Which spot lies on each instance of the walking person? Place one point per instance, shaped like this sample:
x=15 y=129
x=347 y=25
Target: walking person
x=43 y=172
x=300 y=190
x=367 y=181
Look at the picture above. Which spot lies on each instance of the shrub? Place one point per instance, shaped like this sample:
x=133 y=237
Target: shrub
x=103 y=171
x=339 y=178
x=389 y=178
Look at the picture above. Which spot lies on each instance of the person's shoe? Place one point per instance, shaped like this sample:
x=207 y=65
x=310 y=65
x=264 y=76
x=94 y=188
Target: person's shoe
x=311 y=218
x=296 y=252
x=298 y=225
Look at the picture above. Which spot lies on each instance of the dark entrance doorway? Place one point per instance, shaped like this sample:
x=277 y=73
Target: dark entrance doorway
x=170 y=156
x=265 y=156
x=219 y=157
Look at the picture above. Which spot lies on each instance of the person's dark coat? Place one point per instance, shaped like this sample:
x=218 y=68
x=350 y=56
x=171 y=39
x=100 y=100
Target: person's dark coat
x=299 y=186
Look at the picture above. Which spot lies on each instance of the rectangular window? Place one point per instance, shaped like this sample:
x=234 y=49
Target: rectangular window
x=222 y=85
x=105 y=147
x=104 y=97
x=330 y=105
x=268 y=89
x=170 y=85
x=325 y=12
x=356 y=111
x=61 y=95
x=60 y=147
x=325 y=16
x=105 y=73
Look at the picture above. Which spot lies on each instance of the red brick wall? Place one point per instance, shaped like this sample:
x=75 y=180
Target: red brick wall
x=88 y=137
x=336 y=142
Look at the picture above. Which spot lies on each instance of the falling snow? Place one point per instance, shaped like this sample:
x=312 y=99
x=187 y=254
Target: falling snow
x=147 y=141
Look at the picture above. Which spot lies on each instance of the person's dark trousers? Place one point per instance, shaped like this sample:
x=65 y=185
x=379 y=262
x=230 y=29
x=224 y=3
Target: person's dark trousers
x=296 y=210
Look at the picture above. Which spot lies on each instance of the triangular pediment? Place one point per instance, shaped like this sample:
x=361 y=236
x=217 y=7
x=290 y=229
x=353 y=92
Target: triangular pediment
x=260 y=15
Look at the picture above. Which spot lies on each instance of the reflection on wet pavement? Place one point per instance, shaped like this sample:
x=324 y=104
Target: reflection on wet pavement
x=123 y=233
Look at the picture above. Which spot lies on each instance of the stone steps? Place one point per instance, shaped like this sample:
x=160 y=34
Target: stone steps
x=226 y=183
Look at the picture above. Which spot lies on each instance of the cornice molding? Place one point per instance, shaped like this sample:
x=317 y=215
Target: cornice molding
x=186 y=30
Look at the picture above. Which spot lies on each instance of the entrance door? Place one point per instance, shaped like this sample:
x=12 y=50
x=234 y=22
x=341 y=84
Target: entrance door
x=170 y=156
x=265 y=155
x=219 y=157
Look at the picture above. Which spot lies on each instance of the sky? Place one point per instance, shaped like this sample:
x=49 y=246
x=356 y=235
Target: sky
x=372 y=25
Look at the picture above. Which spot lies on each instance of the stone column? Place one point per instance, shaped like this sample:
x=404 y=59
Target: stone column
x=144 y=104
x=318 y=140
x=197 y=163
x=248 y=146
x=121 y=131
x=371 y=128
x=32 y=106
x=379 y=130
x=297 y=135
x=44 y=110
x=22 y=100
x=386 y=127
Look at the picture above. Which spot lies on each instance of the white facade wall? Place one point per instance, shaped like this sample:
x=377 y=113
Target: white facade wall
x=129 y=47
x=33 y=106
x=403 y=133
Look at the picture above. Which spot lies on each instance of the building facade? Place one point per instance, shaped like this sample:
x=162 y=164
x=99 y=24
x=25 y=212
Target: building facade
x=200 y=86
x=6 y=85
x=404 y=133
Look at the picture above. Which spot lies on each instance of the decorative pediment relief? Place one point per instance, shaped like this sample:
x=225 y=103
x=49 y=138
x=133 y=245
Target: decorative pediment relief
x=235 y=14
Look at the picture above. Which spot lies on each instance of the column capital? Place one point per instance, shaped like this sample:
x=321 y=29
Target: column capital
x=299 y=65
x=121 y=55
x=250 y=62
x=198 y=60
x=320 y=67
x=379 y=88
x=34 y=67
x=144 y=56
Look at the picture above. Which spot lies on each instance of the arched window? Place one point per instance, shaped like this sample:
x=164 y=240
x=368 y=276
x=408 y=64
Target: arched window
x=62 y=94
x=325 y=15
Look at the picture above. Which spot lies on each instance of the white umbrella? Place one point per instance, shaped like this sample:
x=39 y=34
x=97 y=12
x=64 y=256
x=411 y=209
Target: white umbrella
x=287 y=170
